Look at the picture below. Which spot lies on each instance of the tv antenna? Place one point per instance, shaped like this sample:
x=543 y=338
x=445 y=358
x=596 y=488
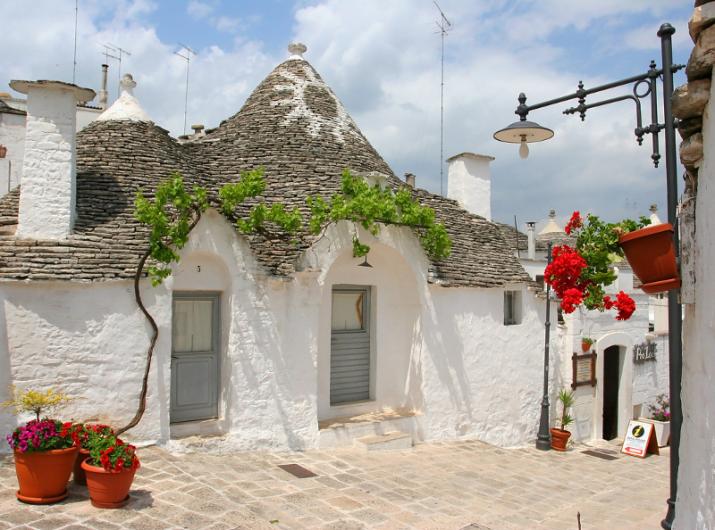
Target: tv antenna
x=120 y=53
x=74 y=55
x=444 y=26
x=187 y=58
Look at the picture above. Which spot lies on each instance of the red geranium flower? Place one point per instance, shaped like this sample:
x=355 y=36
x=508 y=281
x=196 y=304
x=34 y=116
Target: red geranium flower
x=625 y=306
x=574 y=223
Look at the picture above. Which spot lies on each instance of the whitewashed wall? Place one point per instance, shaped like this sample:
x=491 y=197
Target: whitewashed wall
x=443 y=352
x=87 y=341
x=696 y=478
x=640 y=383
x=12 y=136
x=482 y=379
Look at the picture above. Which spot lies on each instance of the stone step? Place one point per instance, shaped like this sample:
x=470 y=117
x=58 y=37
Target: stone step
x=390 y=441
x=342 y=432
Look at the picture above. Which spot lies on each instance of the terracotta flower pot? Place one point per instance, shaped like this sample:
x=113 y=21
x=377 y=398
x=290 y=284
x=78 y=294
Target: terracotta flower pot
x=108 y=489
x=559 y=439
x=585 y=346
x=79 y=475
x=651 y=253
x=43 y=476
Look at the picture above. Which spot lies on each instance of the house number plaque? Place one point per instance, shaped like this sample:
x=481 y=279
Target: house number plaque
x=584 y=370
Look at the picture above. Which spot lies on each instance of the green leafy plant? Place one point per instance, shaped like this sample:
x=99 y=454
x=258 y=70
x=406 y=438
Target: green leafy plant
x=566 y=398
x=171 y=216
x=587 y=341
x=371 y=206
x=251 y=185
x=110 y=452
x=579 y=275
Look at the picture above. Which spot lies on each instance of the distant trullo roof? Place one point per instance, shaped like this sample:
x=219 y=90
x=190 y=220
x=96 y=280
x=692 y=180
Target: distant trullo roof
x=294 y=127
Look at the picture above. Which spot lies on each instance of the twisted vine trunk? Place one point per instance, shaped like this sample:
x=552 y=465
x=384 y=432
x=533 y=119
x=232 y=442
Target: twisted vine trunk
x=150 y=352
x=154 y=336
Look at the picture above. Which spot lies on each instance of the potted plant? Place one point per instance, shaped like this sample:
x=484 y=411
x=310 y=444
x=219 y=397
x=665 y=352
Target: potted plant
x=579 y=275
x=560 y=436
x=44 y=453
x=660 y=418
x=110 y=469
x=586 y=344
x=79 y=432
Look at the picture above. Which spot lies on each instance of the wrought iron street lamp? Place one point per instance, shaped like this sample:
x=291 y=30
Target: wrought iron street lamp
x=644 y=85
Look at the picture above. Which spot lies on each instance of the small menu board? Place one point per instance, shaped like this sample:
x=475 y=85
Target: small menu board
x=640 y=439
x=584 y=370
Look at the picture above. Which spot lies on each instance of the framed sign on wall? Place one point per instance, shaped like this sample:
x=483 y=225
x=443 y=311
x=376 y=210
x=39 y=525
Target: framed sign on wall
x=584 y=370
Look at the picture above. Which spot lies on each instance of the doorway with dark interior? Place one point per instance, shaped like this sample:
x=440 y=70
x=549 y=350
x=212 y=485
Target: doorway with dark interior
x=611 y=383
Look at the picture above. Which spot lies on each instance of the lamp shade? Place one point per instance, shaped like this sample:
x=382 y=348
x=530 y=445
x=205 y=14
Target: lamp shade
x=523 y=131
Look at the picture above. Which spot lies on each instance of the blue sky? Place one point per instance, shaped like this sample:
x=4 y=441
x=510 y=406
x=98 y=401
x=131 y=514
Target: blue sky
x=382 y=60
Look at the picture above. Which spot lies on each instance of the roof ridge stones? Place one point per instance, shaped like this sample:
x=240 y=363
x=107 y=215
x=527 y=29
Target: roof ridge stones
x=294 y=127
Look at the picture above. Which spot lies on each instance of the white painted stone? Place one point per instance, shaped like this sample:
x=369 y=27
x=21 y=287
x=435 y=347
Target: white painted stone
x=12 y=136
x=442 y=352
x=469 y=182
x=296 y=50
x=127 y=106
x=341 y=126
x=391 y=441
x=47 y=201
x=696 y=477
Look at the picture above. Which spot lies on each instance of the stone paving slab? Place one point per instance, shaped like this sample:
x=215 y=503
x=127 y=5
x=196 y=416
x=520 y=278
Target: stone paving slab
x=450 y=486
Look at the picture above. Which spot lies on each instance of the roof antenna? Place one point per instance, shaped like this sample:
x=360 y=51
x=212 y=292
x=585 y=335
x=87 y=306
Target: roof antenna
x=120 y=52
x=74 y=57
x=187 y=58
x=444 y=26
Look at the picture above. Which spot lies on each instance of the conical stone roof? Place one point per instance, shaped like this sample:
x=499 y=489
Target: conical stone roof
x=294 y=127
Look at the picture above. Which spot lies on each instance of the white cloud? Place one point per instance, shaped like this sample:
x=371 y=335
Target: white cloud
x=198 y=9
x=382 y=60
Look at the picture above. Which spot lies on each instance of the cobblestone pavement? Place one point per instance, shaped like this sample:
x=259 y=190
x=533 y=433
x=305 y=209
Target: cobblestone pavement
x=452 y=485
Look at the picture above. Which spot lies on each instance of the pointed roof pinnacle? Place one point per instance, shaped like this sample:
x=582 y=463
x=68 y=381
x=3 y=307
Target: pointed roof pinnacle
x=127 y=106
x=552 y=226
x=296 y=50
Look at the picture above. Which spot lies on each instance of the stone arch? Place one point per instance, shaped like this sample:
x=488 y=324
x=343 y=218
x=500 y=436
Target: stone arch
x=397 y=288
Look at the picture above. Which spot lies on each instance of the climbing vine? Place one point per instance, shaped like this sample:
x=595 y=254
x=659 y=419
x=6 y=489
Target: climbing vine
x=371 y=206
x=174 y=212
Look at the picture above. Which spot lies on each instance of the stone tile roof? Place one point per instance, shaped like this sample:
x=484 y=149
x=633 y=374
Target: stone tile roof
x=7 y=109
x=508 y=232
x=295 y=128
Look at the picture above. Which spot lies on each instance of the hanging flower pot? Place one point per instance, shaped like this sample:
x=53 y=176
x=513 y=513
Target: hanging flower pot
x=651 y=253
x=43 y=475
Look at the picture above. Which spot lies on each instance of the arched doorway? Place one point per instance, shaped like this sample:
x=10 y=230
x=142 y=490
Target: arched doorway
x=612 y=370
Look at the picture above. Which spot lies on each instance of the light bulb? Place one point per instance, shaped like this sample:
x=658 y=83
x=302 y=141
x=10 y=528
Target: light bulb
x=523 y=148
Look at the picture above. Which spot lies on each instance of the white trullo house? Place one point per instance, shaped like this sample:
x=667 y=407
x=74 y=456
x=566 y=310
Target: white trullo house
x=262 y=343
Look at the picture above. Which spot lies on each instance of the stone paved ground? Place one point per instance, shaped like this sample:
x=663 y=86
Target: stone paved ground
x=433 y=486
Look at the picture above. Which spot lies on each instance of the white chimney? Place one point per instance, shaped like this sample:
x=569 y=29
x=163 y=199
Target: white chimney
x=47 y=196
x=531 y=239
x=103 y=94
x=469 y=182
x=410 y=180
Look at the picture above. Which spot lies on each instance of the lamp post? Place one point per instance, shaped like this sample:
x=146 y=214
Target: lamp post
x=644 y=85
x=543 y=438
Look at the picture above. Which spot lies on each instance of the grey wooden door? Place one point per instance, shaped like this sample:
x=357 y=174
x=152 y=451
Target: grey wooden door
x=350 y=345
x=194 y=357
